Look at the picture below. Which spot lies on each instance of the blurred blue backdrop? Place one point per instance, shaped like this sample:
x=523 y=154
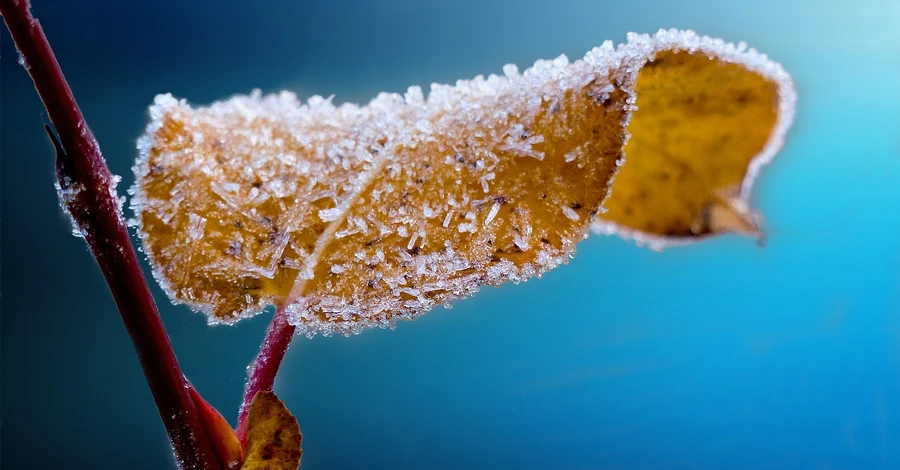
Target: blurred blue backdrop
x=717 y=355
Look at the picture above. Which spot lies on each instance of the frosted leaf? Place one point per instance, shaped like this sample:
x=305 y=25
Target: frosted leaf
x=353 y=217
x=731 y=107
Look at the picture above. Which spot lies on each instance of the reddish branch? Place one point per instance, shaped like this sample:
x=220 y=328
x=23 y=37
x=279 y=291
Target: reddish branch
x=262 y=371
x=82 y=173
x=94 y=208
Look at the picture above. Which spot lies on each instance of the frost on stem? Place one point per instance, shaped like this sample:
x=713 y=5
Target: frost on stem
x=356 y=216
x=67 y=191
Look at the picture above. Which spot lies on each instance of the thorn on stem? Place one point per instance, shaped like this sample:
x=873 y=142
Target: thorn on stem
x=62 y=158
x=60 y=152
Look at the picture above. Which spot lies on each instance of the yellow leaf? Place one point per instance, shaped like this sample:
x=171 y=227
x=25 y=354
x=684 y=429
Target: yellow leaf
x=706 y=120
x=352 y=217
x=273 y=436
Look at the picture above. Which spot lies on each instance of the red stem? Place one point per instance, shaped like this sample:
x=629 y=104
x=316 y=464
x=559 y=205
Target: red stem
x=262 y=372
x=93 y=205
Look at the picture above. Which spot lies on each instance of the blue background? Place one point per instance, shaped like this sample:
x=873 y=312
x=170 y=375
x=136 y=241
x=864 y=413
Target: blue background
x=717 y=355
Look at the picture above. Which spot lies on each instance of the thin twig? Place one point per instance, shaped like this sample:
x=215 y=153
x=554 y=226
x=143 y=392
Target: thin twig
x=261 y=373
x=93 y=203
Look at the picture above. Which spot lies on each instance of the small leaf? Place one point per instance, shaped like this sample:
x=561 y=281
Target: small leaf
x=224 y=440
x=352 y=217
x=273 y=436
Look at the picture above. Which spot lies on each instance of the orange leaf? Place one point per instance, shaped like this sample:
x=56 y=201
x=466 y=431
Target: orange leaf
x=273 y=436
x=353 y=217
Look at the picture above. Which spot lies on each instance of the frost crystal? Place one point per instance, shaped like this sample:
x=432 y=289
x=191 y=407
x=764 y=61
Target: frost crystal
x=570 y=213
x=67 y=192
